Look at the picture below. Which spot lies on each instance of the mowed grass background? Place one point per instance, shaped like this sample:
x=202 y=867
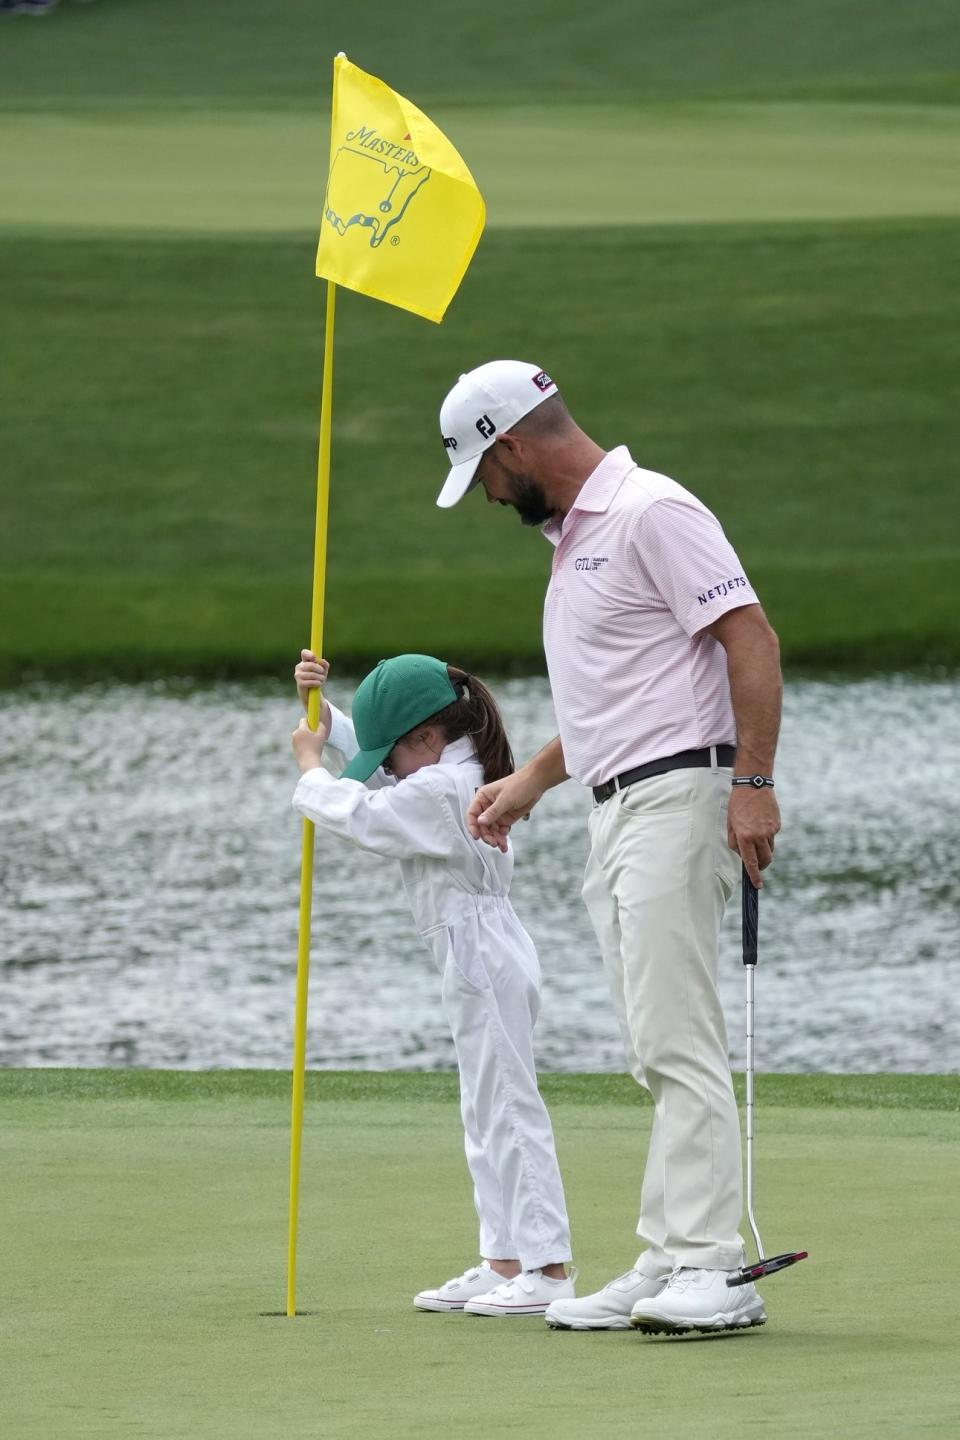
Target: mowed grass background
x=149 y=1240
x=732 y=236
x=731 y=232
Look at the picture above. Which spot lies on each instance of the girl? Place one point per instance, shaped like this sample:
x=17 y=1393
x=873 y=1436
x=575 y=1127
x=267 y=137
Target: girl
x=426 y=737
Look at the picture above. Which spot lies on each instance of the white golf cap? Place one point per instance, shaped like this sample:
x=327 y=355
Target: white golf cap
x=482 y=405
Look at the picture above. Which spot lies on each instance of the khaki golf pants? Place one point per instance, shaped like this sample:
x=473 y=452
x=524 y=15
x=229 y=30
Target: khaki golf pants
x=658 y=877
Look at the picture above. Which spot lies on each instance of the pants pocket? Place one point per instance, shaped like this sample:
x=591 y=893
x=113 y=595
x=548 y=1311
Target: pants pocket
x=459 y=963
x=727 y=865
x=658 y=794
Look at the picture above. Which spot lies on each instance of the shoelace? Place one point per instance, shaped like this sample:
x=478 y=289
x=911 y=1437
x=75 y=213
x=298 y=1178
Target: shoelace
x=680 y=1278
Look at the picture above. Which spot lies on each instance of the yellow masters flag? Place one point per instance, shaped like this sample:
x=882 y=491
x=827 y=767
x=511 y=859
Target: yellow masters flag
x=402 y=214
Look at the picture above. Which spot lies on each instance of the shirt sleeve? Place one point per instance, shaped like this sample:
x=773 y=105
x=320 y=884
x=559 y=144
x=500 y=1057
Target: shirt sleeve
x=343 y=737
x=683 y=551
x=341 y=743
x=341 y=747
x=398 y=821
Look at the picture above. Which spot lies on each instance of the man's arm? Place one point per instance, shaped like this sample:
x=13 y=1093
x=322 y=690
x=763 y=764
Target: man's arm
x=497 y=806
x=756 y=688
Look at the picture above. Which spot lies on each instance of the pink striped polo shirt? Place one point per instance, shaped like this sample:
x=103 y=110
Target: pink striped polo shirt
x=640 y=567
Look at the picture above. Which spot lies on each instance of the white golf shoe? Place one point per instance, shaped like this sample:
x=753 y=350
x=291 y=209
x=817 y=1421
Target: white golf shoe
x=530 y=1293
x=609 y=1308
x=698 y=1300
x=456 y=1292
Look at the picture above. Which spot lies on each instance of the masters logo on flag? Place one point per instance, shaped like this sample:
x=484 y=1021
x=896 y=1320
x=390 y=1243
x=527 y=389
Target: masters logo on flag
x=402 y=214
x=386 y=184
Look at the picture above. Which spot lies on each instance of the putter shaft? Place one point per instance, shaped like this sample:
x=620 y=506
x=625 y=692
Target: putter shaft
x=762 y=1266
x=751 y=919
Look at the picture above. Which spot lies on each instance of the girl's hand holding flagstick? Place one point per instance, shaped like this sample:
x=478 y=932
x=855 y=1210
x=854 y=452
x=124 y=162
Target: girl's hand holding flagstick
x=309 y=674
x=308 y=744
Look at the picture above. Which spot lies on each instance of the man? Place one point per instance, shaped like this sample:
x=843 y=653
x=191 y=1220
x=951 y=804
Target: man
x=666 y=682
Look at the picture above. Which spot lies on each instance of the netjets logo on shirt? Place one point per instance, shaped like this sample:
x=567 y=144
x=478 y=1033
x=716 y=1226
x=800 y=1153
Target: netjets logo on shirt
x=739 y=582
x=590 y=562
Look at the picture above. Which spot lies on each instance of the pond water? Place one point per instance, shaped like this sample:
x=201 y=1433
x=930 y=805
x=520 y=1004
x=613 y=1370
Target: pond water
x=150 y=873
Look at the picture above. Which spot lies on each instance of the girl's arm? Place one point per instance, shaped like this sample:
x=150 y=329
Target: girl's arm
x=342 y=746
x=398 y=821
x=342 y=743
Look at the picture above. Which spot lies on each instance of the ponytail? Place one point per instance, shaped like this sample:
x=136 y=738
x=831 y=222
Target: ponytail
x=476 y=713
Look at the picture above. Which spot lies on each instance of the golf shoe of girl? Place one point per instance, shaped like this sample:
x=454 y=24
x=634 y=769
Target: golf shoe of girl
x=423 y=737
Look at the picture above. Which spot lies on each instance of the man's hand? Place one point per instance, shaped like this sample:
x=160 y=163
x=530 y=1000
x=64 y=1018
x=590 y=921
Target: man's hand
x=308 y=744
x=753 y=665
x=499 y=805
x=753 y=820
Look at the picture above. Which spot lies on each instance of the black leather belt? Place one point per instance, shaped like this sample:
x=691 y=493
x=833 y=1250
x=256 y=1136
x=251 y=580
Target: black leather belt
x=685 y=760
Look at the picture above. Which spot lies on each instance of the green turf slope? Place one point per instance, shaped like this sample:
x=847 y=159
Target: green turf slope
x=242 y=52
x=162 y=415
x=146 y=1222
x=162 y=170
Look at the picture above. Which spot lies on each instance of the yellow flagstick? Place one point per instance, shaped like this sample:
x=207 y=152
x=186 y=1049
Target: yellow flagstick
x=402 y=217
x=306 y=863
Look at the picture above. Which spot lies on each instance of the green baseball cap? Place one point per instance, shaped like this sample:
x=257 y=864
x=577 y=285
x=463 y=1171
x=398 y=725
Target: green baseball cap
x=398 y=695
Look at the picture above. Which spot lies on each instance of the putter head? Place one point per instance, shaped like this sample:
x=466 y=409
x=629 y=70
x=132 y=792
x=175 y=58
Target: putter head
x=765 y=1267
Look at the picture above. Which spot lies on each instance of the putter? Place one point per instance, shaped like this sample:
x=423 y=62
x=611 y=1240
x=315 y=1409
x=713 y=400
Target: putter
x=763 y=1266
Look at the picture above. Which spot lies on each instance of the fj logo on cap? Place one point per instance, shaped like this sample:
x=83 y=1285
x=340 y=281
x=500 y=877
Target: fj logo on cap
x=542 y=381
x=450 y=442
x=486 y=427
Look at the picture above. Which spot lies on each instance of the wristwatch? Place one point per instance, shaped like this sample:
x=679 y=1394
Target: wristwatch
x=759 y=782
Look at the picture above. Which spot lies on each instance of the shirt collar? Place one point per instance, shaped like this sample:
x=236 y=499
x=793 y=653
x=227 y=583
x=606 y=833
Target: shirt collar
x=458 y=751
x=597 y=491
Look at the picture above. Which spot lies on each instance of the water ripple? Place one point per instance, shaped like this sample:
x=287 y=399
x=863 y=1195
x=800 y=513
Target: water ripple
x=150 y=872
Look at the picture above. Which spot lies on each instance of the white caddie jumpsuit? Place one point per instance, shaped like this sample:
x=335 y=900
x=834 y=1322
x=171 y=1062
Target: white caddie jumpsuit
x=458 y=889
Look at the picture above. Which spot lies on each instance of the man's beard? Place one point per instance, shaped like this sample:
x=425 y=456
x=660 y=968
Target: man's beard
x=529 y=500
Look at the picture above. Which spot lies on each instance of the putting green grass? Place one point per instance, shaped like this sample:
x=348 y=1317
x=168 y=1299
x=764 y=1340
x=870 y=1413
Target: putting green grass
x=587 y=165
x=147 y=1221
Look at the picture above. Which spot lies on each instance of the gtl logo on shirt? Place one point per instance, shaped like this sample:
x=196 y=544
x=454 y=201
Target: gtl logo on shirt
x=590 y=562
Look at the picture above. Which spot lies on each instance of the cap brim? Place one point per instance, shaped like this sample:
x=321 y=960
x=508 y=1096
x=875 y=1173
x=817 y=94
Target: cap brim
x=363 y=764
x=462 y=478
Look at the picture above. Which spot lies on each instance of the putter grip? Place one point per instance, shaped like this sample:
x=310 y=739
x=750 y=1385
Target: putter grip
x=751 y=918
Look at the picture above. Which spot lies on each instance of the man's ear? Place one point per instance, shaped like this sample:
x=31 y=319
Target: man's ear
x=513 y=444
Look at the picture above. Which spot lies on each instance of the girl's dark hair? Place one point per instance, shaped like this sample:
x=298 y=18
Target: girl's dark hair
x=476 y=714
